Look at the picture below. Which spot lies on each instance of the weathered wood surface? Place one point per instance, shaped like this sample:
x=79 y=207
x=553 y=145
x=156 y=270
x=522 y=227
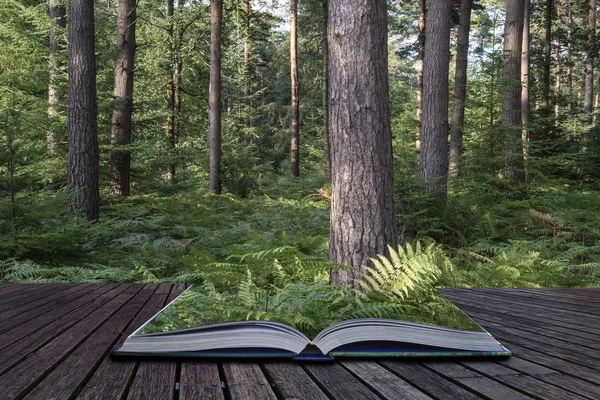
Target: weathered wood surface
x=55 y=343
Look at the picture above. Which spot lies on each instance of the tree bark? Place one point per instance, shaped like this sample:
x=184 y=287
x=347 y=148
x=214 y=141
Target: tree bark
x=547 y=55
x=460 y=88
x=57 y=18
x=83 y=127
x=326 y=136
x=525 y=107
x=214 y=100
x=123 y=98
x=511 y=97
x=363 y=220
x=295 y=145
x=570 y=56
x=434 y=126
x=589 y=63
x=420 y=57
x=171 y=104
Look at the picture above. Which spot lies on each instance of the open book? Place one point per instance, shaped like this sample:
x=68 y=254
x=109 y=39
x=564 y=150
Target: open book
x=169 y=333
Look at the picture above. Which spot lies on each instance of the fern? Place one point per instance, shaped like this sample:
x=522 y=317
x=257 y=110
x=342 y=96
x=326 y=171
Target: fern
x=403 y=273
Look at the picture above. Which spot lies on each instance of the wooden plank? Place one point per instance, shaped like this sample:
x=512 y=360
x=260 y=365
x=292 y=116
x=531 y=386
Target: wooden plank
x=517 y=312
x=26 y=296
x=155 y=380
x=587 y=373
x=547 y=312
x=382 y=381
x=290 y=381
x=427 y=381
x=244 y=380
x=22 y=342
x=24 y=376
x=525 y=366
x=113 y=378
x=488 y=388
x=450 y=369
x=582 y=339
x=168 y=370
x=7 y=288
x=68 y=377
x=537 y=388
x=337 y=382
x=573 y=384
x=557 y=303
x=27 y=312
x=489 y=368
x=200 y=380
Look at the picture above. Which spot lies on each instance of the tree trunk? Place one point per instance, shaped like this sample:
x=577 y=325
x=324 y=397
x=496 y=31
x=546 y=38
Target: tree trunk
x=589 y=62
x=363 y=219
x=525 y=107
x=434 y=127
x=83 y=127
x=172 y=115
x=123 y=97
x=460 y=88
x=326 y=137
x=557 y=84
x=511 y=97
x=547 y=55
x=570 y=57
x=57 y=18
x=420 y=58
x=214 y=96
x=295 y=145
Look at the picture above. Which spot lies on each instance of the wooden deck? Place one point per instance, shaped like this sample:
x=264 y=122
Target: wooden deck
x=55 y=342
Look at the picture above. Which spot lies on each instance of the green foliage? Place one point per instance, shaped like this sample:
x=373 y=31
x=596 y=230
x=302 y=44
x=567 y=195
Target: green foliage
x=404 y=273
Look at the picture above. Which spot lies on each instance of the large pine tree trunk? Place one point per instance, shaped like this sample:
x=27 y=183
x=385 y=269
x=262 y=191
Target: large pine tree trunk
x=57 y=17
x=363 y=219
x=420 y=56
x=525 y=107
x=434 y=127
x=589 y=62
x=511 y=97
x=295 y=145
x=214 y=97
x=326 y=136
x=460 y=88
x=123 y=97
x=83 y=127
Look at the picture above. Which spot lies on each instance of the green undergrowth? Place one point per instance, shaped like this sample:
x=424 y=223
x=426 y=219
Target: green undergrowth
x=547 y=238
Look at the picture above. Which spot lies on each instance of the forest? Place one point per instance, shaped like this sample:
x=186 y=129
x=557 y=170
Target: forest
x=310 y=152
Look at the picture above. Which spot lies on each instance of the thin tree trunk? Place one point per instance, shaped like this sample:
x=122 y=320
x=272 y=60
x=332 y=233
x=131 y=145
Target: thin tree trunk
x=570 y=57
x=246 y=18
x=557 y=84
x=460 y=88
x=57 y=18
x=83 y=126
x=547 y=55
x=214 y=101
x=511 y=98
x=525 y=106
x=326 y=137
x=170 y=128
x=420 y=57
x=123 y=97
x=589 y=63
x=295 y=145
x=363 y=219
x=434 y=127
